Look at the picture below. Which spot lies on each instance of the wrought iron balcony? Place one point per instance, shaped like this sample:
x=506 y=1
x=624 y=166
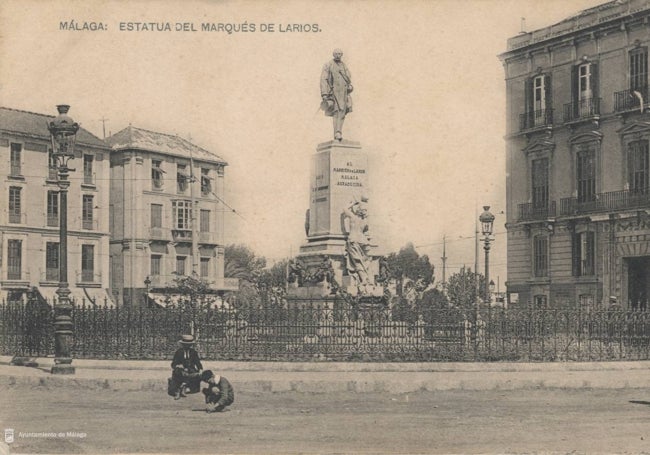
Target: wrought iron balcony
x=630 y=99
x=581 y=110
x=536 y=119
x=530 y=211
x=605 y=202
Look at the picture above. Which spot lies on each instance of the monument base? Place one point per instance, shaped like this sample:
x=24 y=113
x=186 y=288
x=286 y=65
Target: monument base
x=336 y=219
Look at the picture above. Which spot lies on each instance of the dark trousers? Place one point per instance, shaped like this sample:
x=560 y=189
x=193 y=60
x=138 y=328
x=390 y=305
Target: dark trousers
x=180 y=377
x=214 y=398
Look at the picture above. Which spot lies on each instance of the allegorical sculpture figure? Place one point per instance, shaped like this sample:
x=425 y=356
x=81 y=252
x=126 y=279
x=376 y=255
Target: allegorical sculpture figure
x=335 y=89
x=357 y=244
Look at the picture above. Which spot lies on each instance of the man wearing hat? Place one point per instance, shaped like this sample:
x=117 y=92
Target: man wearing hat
x=186 y=369
x=219 y=392
x=335 y=89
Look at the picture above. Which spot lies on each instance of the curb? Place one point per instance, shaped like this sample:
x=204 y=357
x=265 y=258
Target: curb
x=379 y=382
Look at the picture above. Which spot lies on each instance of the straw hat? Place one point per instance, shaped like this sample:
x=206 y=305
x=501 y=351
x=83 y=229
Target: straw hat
x=187 y=340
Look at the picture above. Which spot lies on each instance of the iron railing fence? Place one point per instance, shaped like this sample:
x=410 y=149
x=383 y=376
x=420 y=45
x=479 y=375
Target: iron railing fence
x=333 y=330
x=630 y=99
x=535 y=119
x=530 y=211
x=581 y=109
x=603 y=202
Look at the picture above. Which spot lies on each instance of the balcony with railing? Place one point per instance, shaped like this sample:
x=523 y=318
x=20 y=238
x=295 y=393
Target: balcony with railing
x=182 y=235
x=586 y=109
x=606 y=202
x=631 y=99
x=536 y=119
x=531 y=212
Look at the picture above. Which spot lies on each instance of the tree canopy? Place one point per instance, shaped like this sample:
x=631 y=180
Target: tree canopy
x=276 y=275
x=241 y=262
x=462 y=287
x=409 y=264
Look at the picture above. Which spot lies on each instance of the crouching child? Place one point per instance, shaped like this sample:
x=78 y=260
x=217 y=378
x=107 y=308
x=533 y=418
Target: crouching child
x=219 y=392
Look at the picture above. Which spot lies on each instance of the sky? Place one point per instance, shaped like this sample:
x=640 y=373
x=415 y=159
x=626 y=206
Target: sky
x=429 y=101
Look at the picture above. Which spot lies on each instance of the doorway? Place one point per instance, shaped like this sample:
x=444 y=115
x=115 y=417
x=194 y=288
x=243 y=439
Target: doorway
x=638 y=282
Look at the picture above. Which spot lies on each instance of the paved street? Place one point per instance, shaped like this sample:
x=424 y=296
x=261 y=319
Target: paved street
x=453 y=421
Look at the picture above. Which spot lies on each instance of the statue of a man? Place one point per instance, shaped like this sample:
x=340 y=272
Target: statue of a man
x=335 y=89
x=357 y=246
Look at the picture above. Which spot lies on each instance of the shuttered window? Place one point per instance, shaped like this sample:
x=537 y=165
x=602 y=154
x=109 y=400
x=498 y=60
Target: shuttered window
x=156 y=261
x=87 y=263
x=14 y=259
x=156 y=215
x=586 y=175
x=540 y=256
x=639 y=68
x=584 y=244
x=540 y=183
x=15 y=203
x=637 y=163
x=52 y=261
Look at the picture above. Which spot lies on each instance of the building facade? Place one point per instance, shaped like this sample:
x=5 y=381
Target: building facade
x=167 y=215
x=29 y=221
x=578 y=164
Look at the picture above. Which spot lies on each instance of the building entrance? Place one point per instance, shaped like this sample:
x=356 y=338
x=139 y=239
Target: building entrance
x=638 y=282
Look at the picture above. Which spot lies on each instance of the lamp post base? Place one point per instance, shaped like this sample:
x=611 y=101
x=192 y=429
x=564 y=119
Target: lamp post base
x=63 y=368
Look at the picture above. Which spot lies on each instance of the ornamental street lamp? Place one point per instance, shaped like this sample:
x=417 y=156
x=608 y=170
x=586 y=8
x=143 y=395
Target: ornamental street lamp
x=147 y=284
x=63 y=133
x=487 y=220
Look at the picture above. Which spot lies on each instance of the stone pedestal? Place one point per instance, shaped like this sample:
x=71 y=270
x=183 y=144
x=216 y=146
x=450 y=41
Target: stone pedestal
x=339 y=177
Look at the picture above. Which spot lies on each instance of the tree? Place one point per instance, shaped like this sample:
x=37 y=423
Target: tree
x=462 y=288
x=275 y=276
x=409 y=264
x=242 y=263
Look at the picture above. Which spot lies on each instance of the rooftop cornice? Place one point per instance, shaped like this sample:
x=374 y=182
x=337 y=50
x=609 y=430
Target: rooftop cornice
x=609 y=15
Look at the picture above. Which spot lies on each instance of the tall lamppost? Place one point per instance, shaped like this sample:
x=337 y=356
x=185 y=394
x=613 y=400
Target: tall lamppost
x=487 y=220
x=63 y=133
x=147 y=283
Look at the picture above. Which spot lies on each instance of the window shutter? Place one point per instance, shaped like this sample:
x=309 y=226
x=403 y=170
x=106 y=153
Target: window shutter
x=575 y=89
x=591 y=253
x=575 y=254
x=528 y=100
x=548 y=98
x=629 y=154
x=594 y=84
